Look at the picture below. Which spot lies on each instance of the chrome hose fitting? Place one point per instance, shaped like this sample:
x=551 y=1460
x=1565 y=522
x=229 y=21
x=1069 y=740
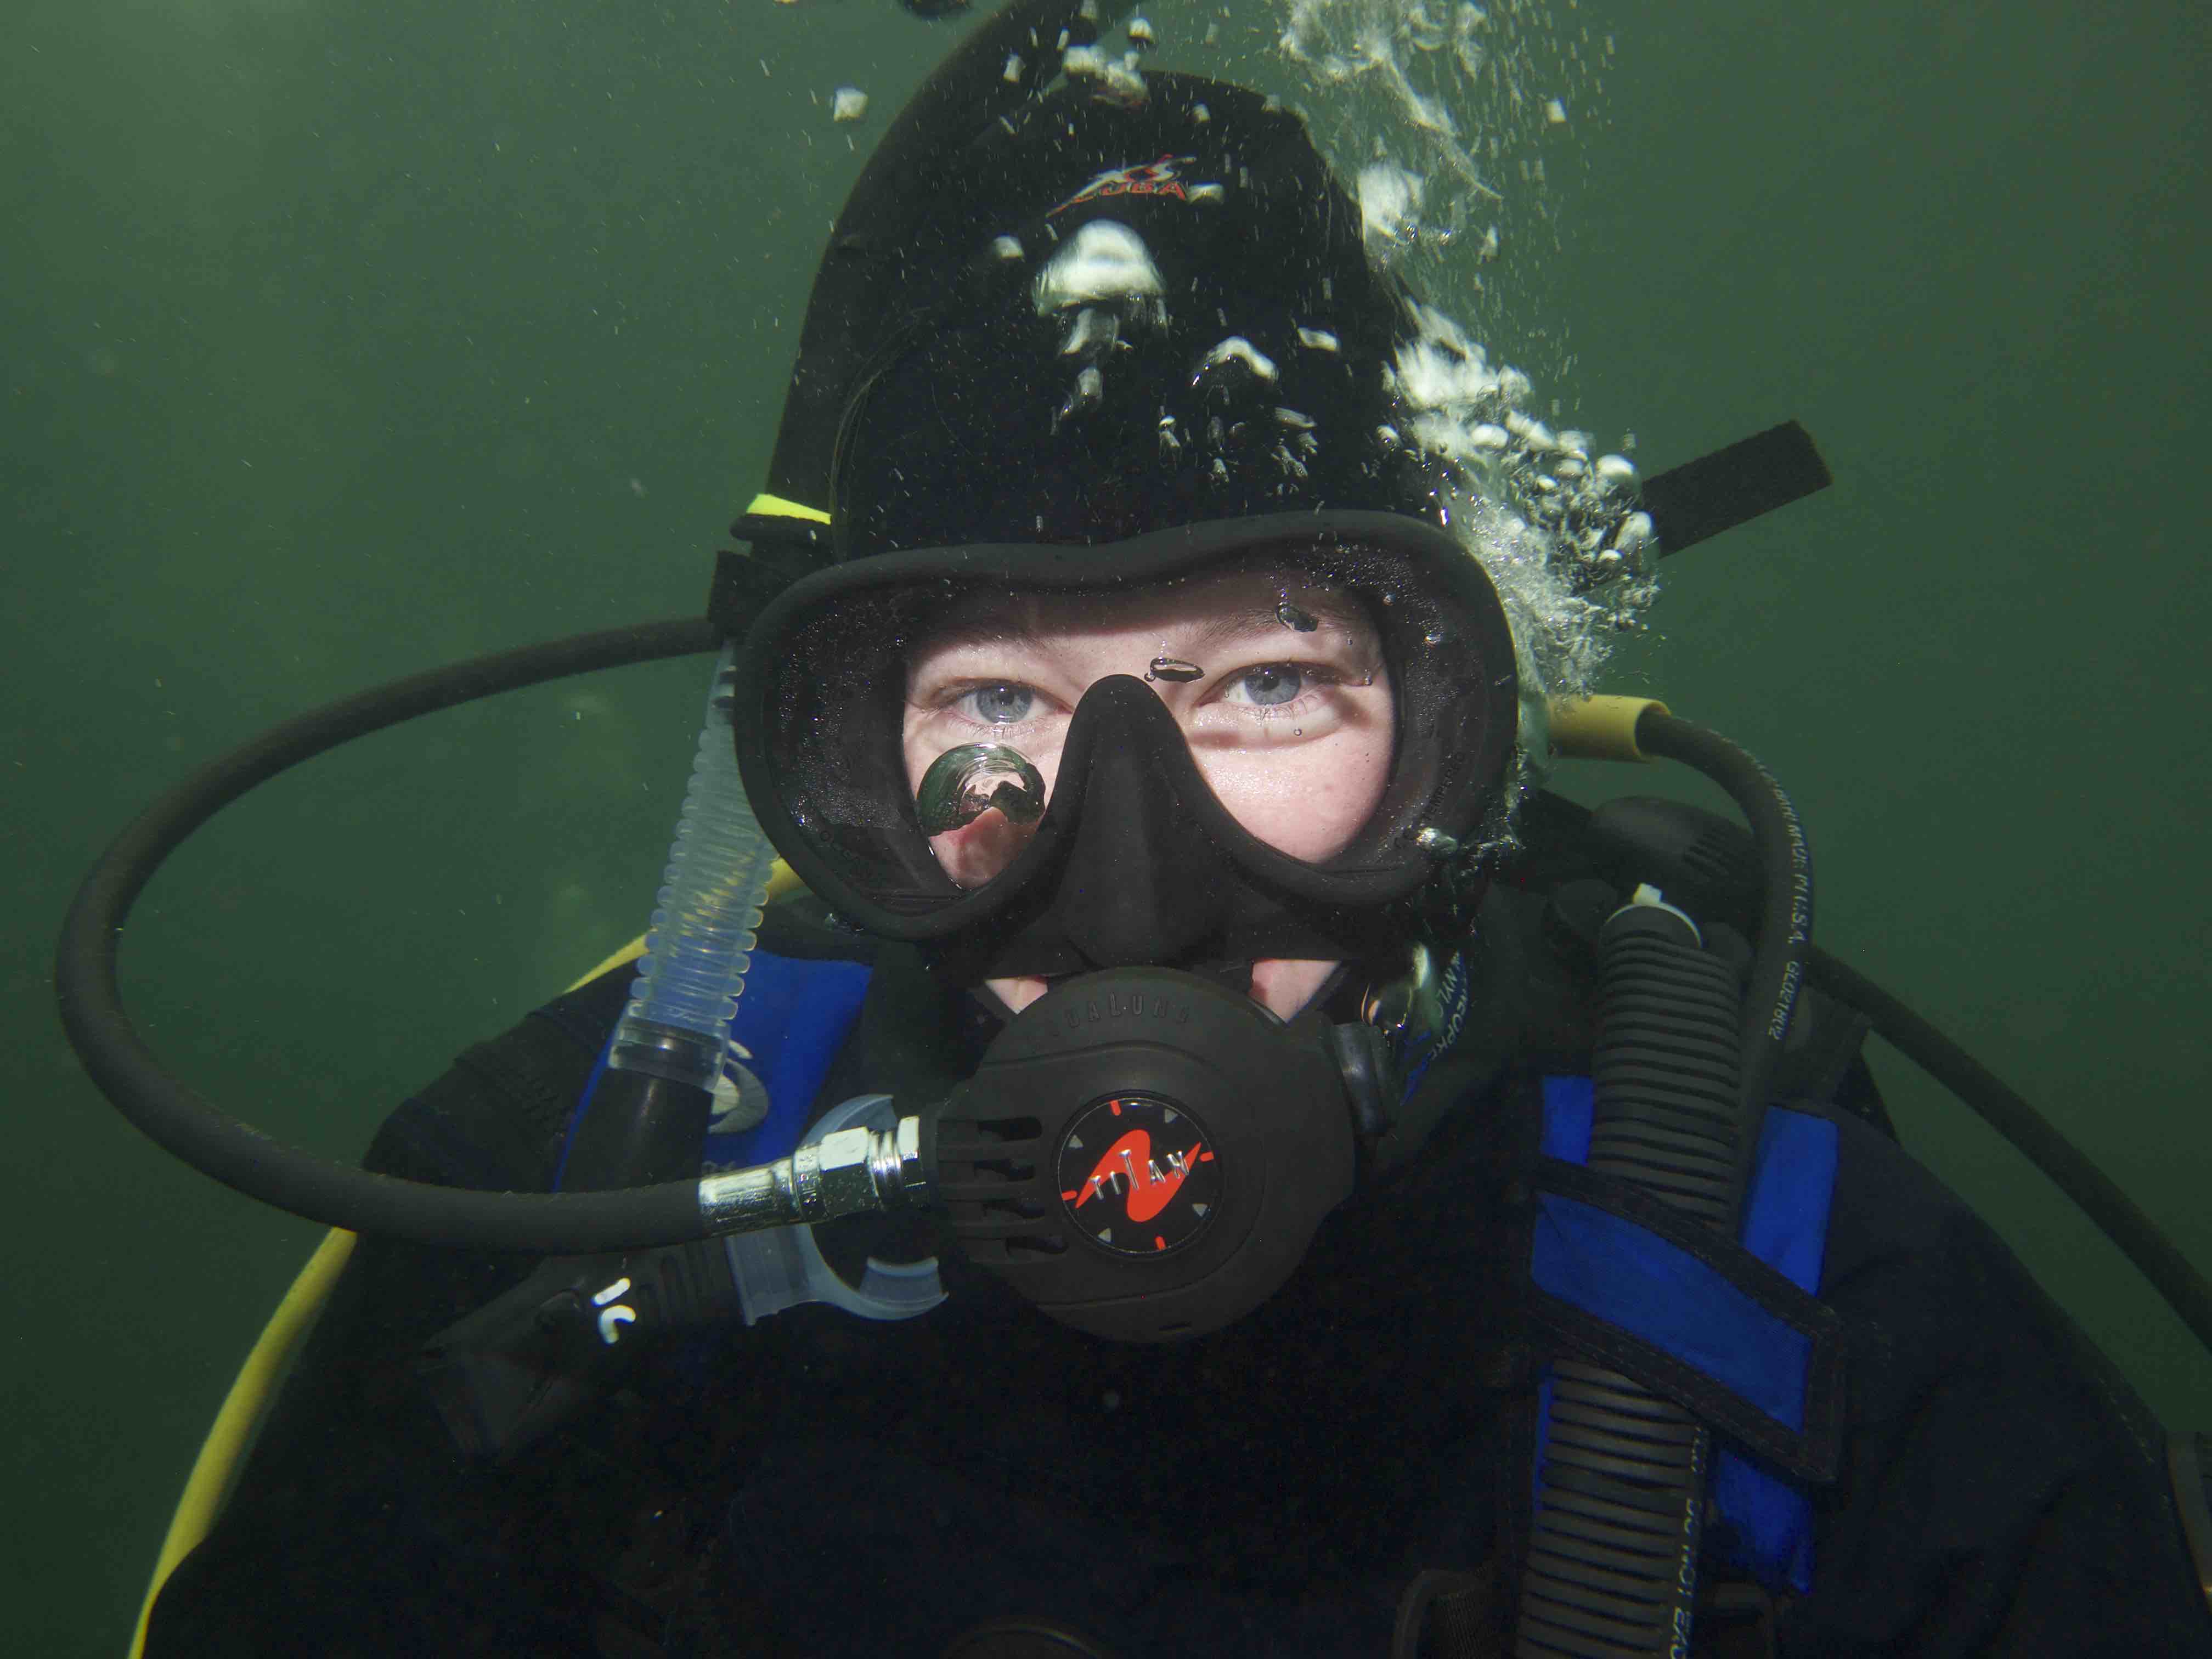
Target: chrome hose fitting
x=850 y=1172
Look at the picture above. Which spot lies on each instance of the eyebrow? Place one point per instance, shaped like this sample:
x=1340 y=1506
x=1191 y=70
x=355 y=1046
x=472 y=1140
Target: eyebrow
x=1008 y=623
x=1261 y=618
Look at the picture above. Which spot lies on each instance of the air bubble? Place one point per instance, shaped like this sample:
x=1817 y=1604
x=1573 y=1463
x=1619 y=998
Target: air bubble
x=1089 y=393
x=1092 y=333
x=1236 y=350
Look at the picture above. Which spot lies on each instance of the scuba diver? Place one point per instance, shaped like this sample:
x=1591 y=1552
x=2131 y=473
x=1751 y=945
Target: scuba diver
x=1208 y=1156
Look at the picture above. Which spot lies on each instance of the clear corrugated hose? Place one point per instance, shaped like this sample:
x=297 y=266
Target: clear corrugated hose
x=677 y=1024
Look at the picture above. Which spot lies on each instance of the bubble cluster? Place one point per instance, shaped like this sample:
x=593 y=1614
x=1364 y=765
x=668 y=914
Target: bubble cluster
x=1407 y=72
x=1557 y=527
x=1102 y=286
x=1116 y=80
x=1444 y=117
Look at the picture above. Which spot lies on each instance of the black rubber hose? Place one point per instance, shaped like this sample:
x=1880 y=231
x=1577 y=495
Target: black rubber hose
x=234 y=1153
x=2185 y=1289
x=1786 y=912
x=1680 y=1079
x=1613 y=1551
x=1665 y=1067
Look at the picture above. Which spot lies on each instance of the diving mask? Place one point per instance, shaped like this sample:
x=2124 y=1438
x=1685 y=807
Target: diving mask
x=1230 y=740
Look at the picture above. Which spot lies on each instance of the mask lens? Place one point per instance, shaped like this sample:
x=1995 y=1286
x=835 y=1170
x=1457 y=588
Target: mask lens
x=1333 y=698
x=1275 y=680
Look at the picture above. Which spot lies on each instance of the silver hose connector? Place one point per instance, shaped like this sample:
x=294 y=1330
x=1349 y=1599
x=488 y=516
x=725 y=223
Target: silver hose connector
x=856 y=1171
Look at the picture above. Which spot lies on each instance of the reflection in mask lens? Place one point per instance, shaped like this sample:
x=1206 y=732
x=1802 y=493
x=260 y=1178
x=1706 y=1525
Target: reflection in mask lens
x=963 y=784
x=979 y=804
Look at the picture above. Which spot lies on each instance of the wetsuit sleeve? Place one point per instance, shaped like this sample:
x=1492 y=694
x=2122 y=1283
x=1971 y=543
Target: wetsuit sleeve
x=356 y=1527
x=2004 y=1492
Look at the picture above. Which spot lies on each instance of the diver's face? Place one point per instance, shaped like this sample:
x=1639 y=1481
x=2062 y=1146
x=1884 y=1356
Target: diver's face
x=1289 y=725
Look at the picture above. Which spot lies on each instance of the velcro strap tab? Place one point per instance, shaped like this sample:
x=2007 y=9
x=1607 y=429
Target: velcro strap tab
x=1732 y=486
x=1627 y=1282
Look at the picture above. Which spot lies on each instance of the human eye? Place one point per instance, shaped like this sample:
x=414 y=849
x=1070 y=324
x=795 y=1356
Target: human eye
x=1271 y=685
x=997 y=703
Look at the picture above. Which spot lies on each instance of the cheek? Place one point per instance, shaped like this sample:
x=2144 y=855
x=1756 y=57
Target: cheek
x=1307 y=801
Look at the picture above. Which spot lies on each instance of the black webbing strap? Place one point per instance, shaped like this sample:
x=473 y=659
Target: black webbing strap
x=1813 y=1452
x=1699 y=499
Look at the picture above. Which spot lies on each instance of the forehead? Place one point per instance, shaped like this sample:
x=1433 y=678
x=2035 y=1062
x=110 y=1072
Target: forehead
x=1267 y=600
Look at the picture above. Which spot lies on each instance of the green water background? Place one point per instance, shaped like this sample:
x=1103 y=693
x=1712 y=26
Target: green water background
x=343 y=340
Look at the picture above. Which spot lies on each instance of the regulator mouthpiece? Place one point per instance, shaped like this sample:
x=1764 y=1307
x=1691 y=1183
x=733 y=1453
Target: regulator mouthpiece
x=1145 y=1155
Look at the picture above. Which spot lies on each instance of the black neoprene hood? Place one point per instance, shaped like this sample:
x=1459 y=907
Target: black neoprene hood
x=1107 y=321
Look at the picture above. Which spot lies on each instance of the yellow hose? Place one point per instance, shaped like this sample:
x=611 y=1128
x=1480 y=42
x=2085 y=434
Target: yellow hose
x=1600 y=728
x=208 y=1484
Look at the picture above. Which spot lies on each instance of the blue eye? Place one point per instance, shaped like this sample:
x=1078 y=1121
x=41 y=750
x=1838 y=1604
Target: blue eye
x=1269 y=687
x=998 y=705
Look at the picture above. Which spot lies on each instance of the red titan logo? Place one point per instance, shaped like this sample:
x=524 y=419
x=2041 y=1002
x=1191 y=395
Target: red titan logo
x=1146 y=178
x=1150 y=1188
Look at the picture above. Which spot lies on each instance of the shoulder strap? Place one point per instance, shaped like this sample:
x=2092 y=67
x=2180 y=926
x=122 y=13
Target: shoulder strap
x=792 y=1018
x=1733 y=1333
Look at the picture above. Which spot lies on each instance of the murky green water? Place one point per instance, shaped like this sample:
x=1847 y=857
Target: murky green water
x=344 y=340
